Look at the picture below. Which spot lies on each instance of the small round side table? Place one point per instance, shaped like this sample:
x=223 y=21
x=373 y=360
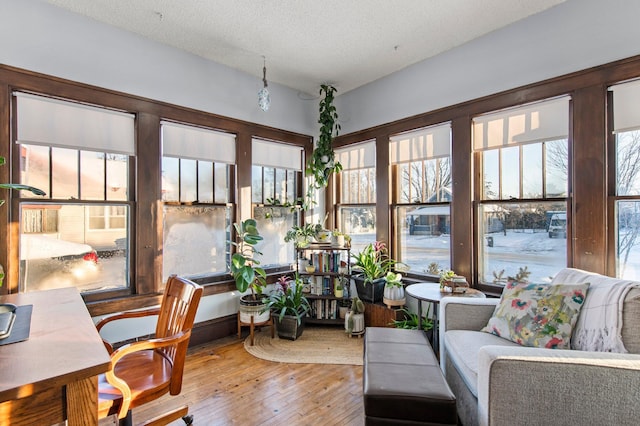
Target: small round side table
x=430 y=292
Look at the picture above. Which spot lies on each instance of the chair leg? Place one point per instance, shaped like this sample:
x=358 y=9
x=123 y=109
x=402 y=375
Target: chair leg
x=126 y=421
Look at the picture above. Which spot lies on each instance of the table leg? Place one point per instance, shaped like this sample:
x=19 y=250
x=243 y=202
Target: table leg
x=420 y=314
x=82 y=402
x=436 y=328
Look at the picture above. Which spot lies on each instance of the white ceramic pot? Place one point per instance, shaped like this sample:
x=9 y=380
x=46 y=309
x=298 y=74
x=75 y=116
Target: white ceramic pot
x=354 y=323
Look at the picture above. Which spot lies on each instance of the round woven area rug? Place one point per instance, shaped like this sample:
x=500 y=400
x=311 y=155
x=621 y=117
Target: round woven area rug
x=317 y=345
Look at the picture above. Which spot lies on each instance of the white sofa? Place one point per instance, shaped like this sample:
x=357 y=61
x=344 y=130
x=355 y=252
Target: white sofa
x=498 y=382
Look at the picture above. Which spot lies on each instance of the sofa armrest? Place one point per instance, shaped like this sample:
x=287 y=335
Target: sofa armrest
x=458 y=313
x=520 y=385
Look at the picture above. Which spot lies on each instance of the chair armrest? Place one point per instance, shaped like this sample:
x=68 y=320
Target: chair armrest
x=520 y=385
x=130 y=348
x=124 y=315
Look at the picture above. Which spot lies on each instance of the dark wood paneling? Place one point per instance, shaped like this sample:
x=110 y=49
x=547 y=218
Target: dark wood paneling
x=383 y=218
x=378 y=315
x=5 y=122
x=589 y=168
x=461 y=207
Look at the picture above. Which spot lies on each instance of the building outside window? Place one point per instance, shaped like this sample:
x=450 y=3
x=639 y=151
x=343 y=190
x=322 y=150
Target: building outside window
x=196 y=179
x=421 y=170
x=275 y=191
x=626 y=199
x=77 y=235
x=356 y=193
x=522 y=193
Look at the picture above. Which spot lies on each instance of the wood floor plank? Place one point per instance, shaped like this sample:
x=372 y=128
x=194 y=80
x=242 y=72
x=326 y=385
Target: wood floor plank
x=224 y=385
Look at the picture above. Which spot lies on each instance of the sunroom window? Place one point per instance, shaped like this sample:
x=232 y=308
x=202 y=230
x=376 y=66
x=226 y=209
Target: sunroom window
x=275 y=191
x=356 y=193
x=626 y=131
x=522 y=207
x=196 y=175
x=421 y=170
x=79 y=234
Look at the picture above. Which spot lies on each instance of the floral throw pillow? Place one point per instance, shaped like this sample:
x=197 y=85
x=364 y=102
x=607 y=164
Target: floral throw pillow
x=539 y=315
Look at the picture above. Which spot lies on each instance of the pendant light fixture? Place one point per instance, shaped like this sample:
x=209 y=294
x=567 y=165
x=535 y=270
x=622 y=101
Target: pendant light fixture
x=264 y=100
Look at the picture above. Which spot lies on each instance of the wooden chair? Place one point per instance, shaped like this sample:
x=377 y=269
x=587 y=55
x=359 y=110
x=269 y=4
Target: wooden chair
x=145 y=370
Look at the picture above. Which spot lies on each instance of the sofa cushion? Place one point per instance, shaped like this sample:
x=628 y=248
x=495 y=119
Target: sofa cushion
x=538 y=315
x=462 y=347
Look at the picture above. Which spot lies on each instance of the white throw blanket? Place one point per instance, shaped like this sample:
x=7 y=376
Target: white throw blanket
x=599 y=326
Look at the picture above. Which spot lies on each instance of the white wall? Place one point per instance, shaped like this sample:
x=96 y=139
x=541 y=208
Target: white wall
x=39 y=37
x=572 y=36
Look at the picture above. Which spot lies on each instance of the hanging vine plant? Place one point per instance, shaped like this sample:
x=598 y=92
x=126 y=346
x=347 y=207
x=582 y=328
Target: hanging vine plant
x=322 y=162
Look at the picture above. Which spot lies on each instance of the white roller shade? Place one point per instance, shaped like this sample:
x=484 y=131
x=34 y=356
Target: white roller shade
x=52 y=122
x=179 y=140
x=423 y=144
x=542 y=121
x=626 y=106
x=357 y=156
x=278 y=155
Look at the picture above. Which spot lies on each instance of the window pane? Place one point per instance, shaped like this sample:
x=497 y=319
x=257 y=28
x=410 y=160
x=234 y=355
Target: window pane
x=273 y=224
x=170 y=179
x=188 y=180
x=195 y=240
x=292 y=186
x=518 y=236
x=64 y=173
x=34 y=168
x=628 y=241
x=256 y=185
x=281 y=185
x=92 y=175
x=404 y=182
x=80 y=250
x=221 y=179
x=360 y=224
x=205 y=181
x=628 y=162
x=557 y=160
x=491 y=168
x=510 y=169
x=117 y=177
x=269 y=184
x=532 y=171
x=424 y=238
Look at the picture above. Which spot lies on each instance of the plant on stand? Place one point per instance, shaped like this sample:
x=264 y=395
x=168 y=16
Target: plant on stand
x=247 y=274
x=289 y=306
x=373 y=263
x=393 y=290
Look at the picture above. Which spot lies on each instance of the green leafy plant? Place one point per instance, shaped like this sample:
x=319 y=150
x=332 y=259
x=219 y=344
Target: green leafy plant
x=243 y=267
x=308 y=230
x=373 y=261
x=410 y=321
x=18 y=186
x=322 y=162
x=522 y=276
x=393 y=279
x=288 y=299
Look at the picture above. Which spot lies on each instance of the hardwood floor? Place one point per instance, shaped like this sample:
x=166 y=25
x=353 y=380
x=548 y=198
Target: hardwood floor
x=224 y=385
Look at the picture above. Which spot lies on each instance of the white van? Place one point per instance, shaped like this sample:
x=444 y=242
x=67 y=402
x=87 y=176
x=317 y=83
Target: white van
x=558 y=225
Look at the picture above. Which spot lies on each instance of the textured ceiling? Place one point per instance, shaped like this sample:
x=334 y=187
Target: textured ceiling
x=347 y=43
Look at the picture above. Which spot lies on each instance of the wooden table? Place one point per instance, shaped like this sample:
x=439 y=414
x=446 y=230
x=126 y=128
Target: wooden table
x=430 y=292
x=53 y=375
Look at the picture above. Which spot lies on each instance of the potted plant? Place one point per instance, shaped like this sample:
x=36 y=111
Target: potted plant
x=288 y=306
x=247 y=274
x=372 y=263
x=301 y=235
x=322 y=162
x=410 y=322
x=393 y=290
x=354 y=319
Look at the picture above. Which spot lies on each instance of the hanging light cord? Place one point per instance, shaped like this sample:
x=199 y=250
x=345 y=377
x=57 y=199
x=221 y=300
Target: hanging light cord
x=264 y=72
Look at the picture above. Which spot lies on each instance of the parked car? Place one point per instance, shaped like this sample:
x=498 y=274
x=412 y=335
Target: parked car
x=48 y=262
x=558 y=225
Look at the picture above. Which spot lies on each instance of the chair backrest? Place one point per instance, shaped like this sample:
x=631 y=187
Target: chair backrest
x=177 y=314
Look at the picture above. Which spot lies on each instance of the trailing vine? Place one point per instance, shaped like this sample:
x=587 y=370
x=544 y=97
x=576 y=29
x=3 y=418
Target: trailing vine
x=322 y=162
